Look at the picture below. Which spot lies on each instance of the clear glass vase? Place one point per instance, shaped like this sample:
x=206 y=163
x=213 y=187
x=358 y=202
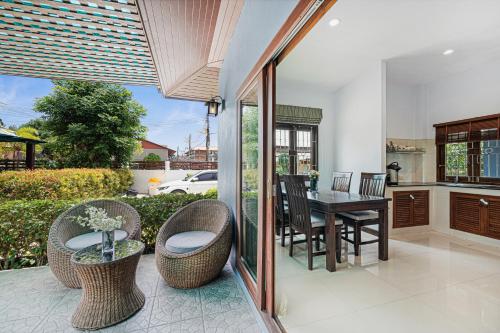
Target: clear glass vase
x=108 y=245
x=313 y=184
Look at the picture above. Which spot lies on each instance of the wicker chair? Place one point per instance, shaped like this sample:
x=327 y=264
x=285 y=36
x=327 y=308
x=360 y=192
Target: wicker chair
x=196 y=268
x=65 y=228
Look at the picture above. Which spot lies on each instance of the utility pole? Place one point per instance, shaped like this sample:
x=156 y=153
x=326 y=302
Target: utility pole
x=207 y=140
x=189 y=146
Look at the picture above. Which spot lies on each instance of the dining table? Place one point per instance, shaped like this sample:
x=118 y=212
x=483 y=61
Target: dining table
x=333 y=202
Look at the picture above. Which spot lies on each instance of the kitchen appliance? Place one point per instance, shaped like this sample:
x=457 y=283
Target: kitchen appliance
x=393 y=173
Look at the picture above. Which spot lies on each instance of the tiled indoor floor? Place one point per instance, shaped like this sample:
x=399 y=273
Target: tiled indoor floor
x=32 y=300
x=431 y=283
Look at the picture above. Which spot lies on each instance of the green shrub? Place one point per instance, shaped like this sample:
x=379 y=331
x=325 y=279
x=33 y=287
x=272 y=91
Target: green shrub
x=152 y=158
x=24 y=227
x=25 y=224
x=63 y=184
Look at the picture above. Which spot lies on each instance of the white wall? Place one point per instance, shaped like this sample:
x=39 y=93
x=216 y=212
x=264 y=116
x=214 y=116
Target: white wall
x=359 y=124
x=412 y=110
x=299 y=94
x=258 y=24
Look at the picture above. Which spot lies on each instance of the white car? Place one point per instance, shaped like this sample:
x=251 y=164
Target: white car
x=200 y=182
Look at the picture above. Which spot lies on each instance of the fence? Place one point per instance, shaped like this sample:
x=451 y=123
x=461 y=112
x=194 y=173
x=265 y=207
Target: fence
x=147 y=165
x=10 y=165
x=192 y=165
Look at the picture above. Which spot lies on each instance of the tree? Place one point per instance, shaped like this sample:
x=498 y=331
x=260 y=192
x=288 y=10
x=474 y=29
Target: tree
x=91 y=124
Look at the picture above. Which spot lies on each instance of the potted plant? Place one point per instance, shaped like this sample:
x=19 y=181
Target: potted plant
x=98 y=220
x=313 y=180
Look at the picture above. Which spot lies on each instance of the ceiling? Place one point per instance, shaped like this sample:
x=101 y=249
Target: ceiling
x=188 y=40
x=176 y=45
x=409 y=34
x=100 y=40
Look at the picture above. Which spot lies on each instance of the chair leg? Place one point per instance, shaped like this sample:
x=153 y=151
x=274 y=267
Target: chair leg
x=283 y=233
x=291 y=242
x=357 y=239
x=309 y=252
x=338 y=245
x=317 y=242
x=346 y=231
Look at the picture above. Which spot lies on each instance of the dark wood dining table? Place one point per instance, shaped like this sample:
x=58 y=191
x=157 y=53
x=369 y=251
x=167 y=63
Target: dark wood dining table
x=332 y=202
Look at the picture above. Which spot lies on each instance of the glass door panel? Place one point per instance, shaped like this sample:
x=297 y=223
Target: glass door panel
x=250 y=179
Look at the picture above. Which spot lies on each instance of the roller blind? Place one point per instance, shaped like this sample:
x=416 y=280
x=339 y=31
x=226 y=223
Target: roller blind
x=298 y=114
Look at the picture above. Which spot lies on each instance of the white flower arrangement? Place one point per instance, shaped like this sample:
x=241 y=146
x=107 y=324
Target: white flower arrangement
x=99 y=220
x=313 y=174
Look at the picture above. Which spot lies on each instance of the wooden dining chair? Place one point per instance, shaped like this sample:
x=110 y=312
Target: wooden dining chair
x=302 y=220
x=341 y=181
x=372 y=184
x=282 y=216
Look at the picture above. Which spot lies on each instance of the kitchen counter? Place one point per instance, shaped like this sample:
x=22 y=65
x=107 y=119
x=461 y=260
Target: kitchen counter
x=458 y=185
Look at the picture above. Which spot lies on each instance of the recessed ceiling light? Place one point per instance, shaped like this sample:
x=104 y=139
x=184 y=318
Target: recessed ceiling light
x=334 y=22
x=448 y=52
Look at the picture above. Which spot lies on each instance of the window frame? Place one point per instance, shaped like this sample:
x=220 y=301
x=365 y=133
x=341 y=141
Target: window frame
x=293 y=128
x=466 y=131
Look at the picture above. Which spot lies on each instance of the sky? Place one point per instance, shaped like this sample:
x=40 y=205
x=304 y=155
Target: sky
x=169 y=121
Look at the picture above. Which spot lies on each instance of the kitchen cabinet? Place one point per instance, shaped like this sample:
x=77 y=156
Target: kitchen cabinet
x=410 y=208
x=475 y=213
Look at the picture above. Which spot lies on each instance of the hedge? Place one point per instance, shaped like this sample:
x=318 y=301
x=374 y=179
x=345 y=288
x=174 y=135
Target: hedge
x=65 y=184
x=24 y=224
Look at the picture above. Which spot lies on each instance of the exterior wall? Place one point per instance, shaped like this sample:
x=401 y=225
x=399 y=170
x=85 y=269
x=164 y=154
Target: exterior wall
x=258 y=24
x=163 y=153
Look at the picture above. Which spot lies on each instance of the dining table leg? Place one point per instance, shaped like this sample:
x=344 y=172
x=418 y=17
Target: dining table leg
x=383 y=229
x=331 y=246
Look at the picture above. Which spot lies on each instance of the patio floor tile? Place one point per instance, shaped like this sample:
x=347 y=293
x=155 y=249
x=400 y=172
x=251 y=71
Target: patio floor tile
x=32 y=300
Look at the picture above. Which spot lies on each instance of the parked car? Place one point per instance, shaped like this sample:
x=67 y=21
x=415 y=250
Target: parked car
x=198 y=183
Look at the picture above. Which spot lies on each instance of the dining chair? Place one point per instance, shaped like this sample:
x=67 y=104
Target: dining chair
x=305 y=221
x=341 y=181
x=282 y=217
x=372 y=184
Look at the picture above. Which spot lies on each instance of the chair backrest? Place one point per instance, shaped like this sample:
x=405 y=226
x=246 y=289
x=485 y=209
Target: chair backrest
x=298 y=205
x=341 y=181
x=280 y=203
x=372 y=184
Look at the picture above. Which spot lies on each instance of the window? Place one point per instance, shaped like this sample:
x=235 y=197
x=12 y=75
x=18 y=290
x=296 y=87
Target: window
x=469 y=150
x=296 y=148
x=207 y=176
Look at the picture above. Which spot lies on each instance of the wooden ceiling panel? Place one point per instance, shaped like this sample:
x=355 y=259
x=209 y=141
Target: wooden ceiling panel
x=98 y=40
x=187 y=38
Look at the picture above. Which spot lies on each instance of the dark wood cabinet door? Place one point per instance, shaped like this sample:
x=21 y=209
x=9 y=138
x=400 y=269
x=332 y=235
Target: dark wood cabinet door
x=410 y=208
x=421 y=208
x=465 y=212
x=492 y=222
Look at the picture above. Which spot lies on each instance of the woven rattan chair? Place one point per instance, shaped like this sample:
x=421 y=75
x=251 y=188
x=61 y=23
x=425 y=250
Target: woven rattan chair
x=198 y=267
x=65 y=228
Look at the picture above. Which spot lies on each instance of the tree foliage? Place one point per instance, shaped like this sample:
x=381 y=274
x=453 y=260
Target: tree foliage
x=152 y=157
x=91 y=124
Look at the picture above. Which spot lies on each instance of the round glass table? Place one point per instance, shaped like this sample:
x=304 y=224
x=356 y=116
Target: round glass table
x=110 y=293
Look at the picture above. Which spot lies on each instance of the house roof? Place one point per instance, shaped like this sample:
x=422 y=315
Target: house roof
x=204 y=148
x=177 y=46
x=146 y=144
x=9 y=136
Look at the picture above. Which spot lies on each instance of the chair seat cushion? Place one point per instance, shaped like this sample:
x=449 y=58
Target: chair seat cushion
x=361 y=215
x=188 y=241
x=91 y=238
x=318 y=220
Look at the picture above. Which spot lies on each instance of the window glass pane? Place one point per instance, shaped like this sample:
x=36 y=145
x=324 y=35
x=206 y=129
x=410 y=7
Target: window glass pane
x=456 y=159
x=249 y=184
x=490 y=159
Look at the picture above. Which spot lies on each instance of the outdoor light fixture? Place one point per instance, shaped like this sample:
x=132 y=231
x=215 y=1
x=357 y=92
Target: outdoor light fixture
x=213 y=105
x=448 y=52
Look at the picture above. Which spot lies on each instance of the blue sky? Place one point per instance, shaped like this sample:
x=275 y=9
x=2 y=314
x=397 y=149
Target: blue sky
x=169 y=121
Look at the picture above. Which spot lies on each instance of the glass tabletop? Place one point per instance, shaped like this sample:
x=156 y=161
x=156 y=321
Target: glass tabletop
x=93 y=254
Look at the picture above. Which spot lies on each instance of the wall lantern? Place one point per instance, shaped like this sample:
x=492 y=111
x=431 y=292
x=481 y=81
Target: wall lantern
x=213 y=105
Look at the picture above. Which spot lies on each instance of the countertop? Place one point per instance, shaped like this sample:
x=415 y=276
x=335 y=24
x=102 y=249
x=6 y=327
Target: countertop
x=459 y=185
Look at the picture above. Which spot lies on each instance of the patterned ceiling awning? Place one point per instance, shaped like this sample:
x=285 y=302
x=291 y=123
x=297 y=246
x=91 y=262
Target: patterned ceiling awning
x=98 y=40
x=298 y=114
